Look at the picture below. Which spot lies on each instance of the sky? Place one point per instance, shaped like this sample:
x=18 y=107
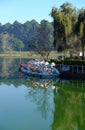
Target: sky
x=27 y=10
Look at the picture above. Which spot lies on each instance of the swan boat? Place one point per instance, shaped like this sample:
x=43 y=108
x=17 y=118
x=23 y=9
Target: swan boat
x=40 y=68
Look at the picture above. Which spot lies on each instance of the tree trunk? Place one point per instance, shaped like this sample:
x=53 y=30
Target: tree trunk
x=83 y=48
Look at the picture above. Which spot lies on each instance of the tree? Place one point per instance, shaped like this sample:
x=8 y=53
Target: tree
x=42 y=40
x=62 y=28
x=68 y=8
x=80 y=29
x=64 y=20
x=18 y=43
x=6 y=45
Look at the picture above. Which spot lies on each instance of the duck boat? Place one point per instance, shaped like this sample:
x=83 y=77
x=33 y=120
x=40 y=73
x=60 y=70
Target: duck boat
x=40 y=68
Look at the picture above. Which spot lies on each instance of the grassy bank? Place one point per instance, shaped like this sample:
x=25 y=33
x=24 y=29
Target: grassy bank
x=17 y=54
x=31 y=54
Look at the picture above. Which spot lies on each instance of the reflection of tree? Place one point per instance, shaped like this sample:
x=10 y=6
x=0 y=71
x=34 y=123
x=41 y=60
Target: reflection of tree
x=69 y=110
x=8 y=67
x=42 y=95
x=17 y=82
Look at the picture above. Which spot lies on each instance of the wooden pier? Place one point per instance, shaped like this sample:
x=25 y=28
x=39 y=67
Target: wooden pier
x=75 y=71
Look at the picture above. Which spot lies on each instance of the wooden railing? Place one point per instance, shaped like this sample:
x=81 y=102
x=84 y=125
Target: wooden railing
x=73 y=68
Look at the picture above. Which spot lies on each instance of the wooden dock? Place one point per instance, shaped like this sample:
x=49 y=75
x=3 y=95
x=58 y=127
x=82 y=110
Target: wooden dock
x=75 y=71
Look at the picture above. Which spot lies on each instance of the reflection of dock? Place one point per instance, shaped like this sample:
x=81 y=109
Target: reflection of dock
x=73 y=85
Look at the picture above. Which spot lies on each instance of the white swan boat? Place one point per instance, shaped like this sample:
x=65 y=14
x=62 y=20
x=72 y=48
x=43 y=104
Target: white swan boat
x=38 y=67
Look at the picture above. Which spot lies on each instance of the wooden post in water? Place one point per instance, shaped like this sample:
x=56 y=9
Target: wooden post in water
x=72 y=68
x=82 y=69
x=77 y=69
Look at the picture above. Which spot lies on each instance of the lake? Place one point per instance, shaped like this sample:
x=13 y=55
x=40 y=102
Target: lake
x=28 y=103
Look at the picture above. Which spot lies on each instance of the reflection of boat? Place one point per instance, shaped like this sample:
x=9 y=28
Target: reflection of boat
x=44 y=83
x=38 y=67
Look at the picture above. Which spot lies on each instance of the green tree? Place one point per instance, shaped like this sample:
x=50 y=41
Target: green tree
x=18 y=44
x=80 y=30
x=68 y=8
x=82 y=37
x=64 y=20
x=6 y=45
x=42 y=41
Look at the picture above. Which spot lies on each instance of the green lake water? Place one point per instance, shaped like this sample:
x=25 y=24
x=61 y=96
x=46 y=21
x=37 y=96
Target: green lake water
x=28 y=103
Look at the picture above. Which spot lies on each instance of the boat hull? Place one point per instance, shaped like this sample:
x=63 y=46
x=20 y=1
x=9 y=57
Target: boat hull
x=36 y=74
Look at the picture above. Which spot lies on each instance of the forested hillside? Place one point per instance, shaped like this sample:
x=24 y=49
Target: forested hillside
x=18 y=36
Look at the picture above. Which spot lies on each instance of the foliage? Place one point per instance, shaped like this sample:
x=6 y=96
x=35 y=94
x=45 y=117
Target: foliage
x=9 y=43
x=64 y=21
x=80 y=30
x=42 y=41
x=5 y=42
x=25 y=33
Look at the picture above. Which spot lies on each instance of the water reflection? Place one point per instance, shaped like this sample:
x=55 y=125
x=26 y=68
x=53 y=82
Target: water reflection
x=42 y=94
x=8 y=67
x=69 y=107
x=65 y=103
x=62 y=102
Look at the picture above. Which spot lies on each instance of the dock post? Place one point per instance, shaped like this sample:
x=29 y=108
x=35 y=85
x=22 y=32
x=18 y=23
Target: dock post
x=77 y=69
x=82 y=69
x=72 y=68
